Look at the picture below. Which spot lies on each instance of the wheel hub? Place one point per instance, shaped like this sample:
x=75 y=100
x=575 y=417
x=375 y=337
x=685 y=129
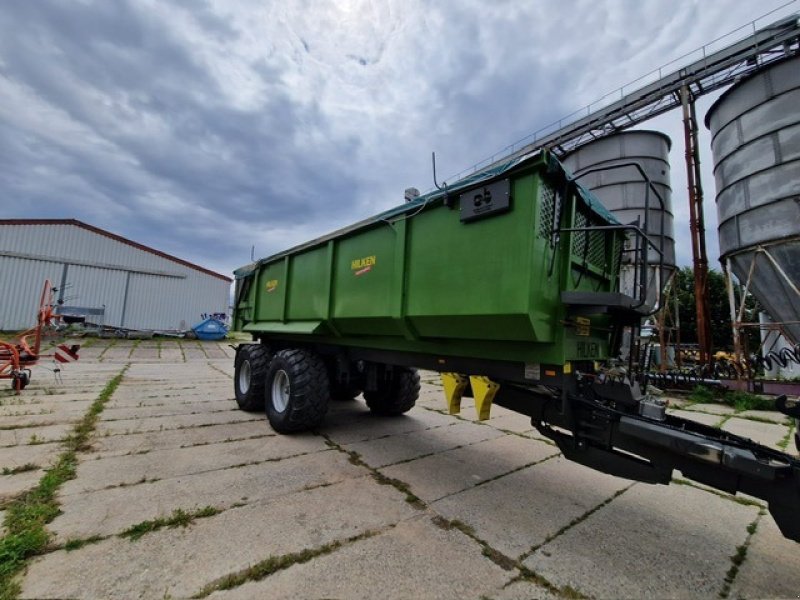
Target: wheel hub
x=244 y=377
x=281 y=390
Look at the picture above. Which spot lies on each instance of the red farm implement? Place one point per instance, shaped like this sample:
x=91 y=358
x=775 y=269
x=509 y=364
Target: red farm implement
x=18 y=356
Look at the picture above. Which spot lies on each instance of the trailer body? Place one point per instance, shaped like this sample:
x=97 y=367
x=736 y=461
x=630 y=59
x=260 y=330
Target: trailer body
x=507 y=283
x=474 y=273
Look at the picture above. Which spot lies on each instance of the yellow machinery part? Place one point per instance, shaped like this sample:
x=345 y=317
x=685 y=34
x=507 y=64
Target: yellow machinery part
x=454 y=386
x=484 y=390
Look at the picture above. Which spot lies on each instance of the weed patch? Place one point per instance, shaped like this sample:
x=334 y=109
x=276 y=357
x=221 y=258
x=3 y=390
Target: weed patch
x=740 y=401
x=738 y=557
x=21 y=469
x=273 y=564
x=75 y=544
x=178 y=518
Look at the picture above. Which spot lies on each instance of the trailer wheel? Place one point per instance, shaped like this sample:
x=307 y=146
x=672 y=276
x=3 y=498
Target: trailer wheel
x=396 y=396
x=297 y=391
x=249 y=374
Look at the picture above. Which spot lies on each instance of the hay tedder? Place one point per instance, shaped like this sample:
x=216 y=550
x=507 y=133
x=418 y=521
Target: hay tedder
x=18 y=356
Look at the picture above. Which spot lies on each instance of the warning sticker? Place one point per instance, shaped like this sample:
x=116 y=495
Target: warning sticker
x=533 y=371
x=582 y=326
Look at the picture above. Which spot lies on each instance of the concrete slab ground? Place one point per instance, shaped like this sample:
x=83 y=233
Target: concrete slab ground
x=767 y=415
x=449 y=472
x=427 y=505
x=522 y=510
x=711 y=408
x=415 y=559
x=179 y=562
x=772 y=564
x=704 y=418
x=768 y=434
x=650 y=542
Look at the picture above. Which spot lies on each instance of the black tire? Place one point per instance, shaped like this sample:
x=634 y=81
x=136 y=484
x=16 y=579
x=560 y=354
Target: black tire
x=20 y=382
x=249 y=374
x=296 y=391
x=394 y=396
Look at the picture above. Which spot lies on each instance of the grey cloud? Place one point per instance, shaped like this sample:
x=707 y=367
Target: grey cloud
x=202 y=133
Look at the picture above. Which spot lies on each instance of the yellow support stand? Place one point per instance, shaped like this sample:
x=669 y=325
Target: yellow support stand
x=454 y=386
x=484 y=390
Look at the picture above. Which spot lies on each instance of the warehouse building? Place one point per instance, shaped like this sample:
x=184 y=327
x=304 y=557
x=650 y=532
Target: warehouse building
x=111 y=279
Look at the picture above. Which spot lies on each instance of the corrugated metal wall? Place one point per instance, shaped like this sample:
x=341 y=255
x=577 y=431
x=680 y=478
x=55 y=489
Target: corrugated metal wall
x=139 y=289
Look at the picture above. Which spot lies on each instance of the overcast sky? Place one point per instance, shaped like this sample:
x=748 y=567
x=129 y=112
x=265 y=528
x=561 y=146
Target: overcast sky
x=203 y=128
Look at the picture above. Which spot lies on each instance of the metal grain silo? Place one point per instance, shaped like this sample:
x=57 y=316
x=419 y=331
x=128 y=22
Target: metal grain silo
x=755 y=128
x=623 y=190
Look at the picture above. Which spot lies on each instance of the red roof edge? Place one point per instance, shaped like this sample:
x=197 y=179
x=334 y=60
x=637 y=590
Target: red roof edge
x=115 y=237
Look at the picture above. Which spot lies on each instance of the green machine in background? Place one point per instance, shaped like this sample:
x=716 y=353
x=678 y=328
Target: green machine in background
x=506 y=283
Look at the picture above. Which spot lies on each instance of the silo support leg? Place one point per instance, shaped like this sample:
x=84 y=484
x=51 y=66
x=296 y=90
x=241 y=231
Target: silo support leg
x=484 y=390
x=454 y=386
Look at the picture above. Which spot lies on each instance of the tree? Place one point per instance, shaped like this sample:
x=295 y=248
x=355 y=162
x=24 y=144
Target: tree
x=719 y=309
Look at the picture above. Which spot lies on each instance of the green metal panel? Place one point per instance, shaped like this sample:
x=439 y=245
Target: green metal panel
x=471 y=280
x=306 y=298
x=363 y=299
x=270 y=291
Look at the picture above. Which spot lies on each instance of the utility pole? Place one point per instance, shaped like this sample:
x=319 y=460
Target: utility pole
x=697 y=225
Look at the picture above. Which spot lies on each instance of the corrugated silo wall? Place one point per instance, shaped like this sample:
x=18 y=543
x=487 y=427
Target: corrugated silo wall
x=139 y=289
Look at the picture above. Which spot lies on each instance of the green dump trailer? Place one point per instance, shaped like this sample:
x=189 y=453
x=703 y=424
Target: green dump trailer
x=506 y=282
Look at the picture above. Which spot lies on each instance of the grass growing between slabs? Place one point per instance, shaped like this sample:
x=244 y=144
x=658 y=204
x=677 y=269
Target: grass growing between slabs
x=27 y=516
x=738 y=400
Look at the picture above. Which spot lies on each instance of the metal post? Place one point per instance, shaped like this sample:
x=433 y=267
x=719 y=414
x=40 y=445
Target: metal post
x=697 y=226
x=678 y=357
x=737 y=346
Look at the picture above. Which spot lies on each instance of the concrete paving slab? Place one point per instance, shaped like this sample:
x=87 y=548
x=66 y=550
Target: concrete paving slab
x=521 y=510
x=513 y=422
x=193 y=353
x=711 y=408
x=125 y=426
x=396 y=448
x=772 y=566
x=349 y=422
x=39 y=420
x=524 y=590
x=168 y=409
x=651 y=542
x=134 y=443
x=416 y=559
x=213 y=351
x=42 y=455
x=699 y=417
x=768 y=434
x=171 y=400
x=768 y=415
x=13 y=485
x=35 y=435
x=108 y=512
x=56 y=409
x=437 y=476
x=166 y=397
x=96 y=473
x=117 y=353
x=142 y=352
x=179 y=562
x=171 y=354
